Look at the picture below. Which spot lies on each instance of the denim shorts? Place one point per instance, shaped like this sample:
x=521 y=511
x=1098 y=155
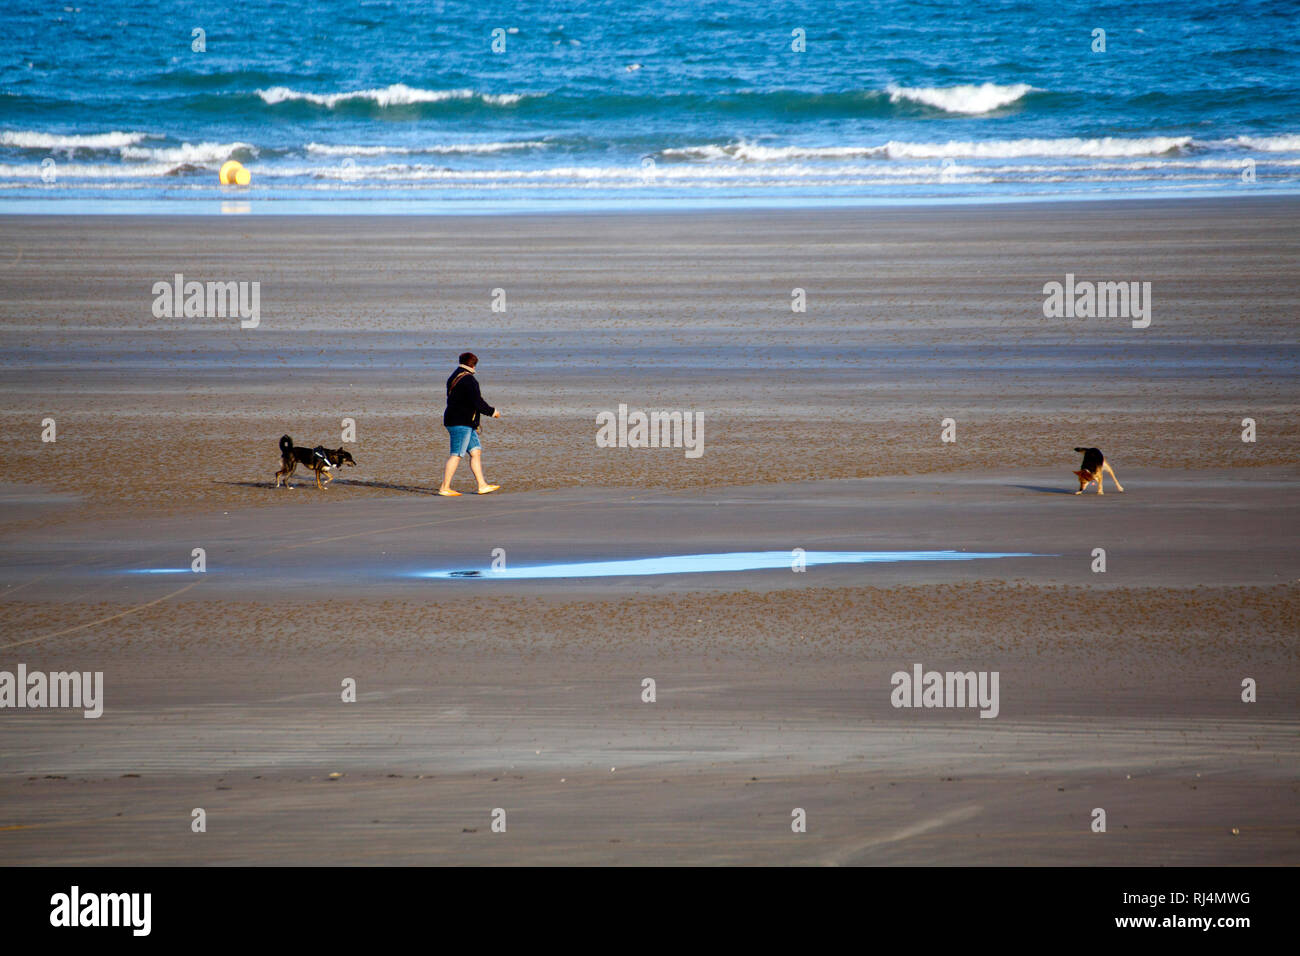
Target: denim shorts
x=463 y=439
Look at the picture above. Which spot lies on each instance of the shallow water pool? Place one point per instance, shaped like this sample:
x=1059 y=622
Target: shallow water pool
x=704 y=563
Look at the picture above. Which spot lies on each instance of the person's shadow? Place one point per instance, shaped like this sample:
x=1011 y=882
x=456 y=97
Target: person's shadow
x=386 y=486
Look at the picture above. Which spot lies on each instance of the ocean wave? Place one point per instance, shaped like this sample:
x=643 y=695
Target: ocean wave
x=1285 y=143
x=633 y=183
x=1107 y=147
x=184 y=169
x=396 y=173
x=327 y=149
x=1103 y=147
x=758 y=174
x=64 y=171
x=789 y=173
x=969 y=99
x=749 y=152
x=33 y=139
x=397 y=94
x=191 y=154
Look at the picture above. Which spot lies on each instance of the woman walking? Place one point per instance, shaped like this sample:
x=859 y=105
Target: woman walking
x=464 y=406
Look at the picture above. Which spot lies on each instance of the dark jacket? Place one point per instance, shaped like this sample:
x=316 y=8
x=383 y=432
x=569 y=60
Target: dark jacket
x=464 y=403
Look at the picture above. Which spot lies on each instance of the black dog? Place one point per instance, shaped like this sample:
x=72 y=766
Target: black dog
x=318 y=459
x=1093 y=468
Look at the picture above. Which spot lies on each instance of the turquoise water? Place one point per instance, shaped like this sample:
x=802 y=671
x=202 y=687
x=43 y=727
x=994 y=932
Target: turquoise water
x=389 y=106
x=706 y=563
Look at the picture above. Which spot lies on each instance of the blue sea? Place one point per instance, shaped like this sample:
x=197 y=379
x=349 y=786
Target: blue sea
x=391 y=106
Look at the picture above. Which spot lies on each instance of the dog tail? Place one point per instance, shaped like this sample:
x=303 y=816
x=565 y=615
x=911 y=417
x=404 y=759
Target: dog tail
x=286 y=445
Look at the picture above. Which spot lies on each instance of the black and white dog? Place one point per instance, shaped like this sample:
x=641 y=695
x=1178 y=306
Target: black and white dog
x=319 y=459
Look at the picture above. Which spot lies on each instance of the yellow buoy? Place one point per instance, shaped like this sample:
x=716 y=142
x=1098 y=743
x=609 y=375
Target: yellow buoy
x=233 y=173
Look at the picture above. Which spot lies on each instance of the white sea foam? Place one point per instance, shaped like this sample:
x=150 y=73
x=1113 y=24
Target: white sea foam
x=398 y=94
x=969 y=99
x=696 y=175
x=1104 y=147
x=31 y=139
x=188 y=152
x=1108 y=147
x=66 y=171
x=629 y=184
x=791 y=173
x=1286 y=143
x=328 y=149
x=1149 y=162
x=749 y=152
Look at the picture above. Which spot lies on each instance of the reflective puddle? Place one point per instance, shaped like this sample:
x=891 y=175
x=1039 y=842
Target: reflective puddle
x=731 y=561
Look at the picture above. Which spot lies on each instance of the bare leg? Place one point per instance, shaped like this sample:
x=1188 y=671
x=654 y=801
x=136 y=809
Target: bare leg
x=476 y=466
x=448 y=472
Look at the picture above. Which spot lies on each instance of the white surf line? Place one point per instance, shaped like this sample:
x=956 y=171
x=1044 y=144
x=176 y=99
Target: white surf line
x=845 y=854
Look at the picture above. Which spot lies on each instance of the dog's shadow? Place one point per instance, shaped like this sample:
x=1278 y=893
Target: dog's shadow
x=310 y=482
x=1045 y=489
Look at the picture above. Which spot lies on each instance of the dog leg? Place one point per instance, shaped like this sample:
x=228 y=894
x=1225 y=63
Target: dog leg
x=1111 y=471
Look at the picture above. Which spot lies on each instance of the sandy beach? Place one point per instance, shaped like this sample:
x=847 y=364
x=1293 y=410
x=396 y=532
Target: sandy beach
x=1119 y=689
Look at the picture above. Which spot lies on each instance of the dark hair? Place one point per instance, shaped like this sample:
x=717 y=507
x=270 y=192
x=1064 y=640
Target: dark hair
x=468 y=358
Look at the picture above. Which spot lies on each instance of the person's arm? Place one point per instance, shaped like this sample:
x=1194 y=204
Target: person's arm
x=483 y=407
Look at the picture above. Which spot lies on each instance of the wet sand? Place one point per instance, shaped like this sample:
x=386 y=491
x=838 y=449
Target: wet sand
x=1119 y=690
